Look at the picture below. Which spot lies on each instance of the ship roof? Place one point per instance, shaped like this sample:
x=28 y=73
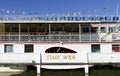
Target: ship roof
x=58 y=19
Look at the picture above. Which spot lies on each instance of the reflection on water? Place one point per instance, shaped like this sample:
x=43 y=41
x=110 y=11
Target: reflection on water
x=28 y=73
x=94 y=71
x=38 y=74
x=7 y=74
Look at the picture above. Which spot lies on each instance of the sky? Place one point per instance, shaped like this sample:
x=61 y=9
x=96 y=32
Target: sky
x=44 y=7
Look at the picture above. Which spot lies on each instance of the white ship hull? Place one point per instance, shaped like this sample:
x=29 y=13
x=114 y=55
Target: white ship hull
x=63 y=66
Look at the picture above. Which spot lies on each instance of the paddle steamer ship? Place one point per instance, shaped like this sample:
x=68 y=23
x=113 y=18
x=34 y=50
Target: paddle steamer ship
x=58 y=42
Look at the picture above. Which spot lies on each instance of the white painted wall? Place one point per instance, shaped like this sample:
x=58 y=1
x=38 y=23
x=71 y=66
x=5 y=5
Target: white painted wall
x=17 y=57
x=98 y=58
x=1 y=48
x=106 y=48
x=83 y=51
x=18 y=48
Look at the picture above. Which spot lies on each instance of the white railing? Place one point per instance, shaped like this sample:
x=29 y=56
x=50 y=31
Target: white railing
x=50 y=38
x=60 y=37
x=116 y=37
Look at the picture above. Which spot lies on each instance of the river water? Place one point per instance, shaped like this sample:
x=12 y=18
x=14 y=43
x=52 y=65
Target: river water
x=94 y=71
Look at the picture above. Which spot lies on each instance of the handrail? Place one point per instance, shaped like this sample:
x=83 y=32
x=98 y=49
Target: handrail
x=67 y=37
x=41 y=33
x=46 y=33
x=58 y=38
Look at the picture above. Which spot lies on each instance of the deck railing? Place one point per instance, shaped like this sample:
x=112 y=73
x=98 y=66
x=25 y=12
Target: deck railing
x=58 y=38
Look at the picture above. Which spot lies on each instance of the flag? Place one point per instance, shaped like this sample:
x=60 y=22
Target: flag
x=48 y=14
x=13 y=12
x=3 y=10
x=23 y=13
x=74 y=13
x=104 y=8
x=68 y=14
x=79 y=13
x=8 y=11
x=53 y=14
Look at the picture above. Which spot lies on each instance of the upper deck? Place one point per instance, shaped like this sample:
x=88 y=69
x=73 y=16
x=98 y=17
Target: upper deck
x=59 y=28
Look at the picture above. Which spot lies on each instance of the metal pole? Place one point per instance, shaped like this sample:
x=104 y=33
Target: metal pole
x=49 y=32
x=80 y=32
x=90 y=33
x=19 y=31
x=99 y=32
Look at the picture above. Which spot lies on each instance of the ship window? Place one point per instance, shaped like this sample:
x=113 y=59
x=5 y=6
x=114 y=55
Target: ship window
x=32 y=29
x=15 y=29
x=95 y=48
x=85 y=29
x=75 y=29
x=111 y=29
x=29 y=47
x=8 y=48
x=67 y=29
x=116 y=48
x=94 y=29
x=59 y=50
x=24 y=29
x=103 y=29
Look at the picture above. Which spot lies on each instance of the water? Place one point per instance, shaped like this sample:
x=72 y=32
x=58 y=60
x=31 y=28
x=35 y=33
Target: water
x=94 y=71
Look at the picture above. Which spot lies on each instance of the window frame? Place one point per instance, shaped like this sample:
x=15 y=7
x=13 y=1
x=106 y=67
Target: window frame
x=117 y=46
x=8 y=48
x=94 y=48
x=27 y=50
